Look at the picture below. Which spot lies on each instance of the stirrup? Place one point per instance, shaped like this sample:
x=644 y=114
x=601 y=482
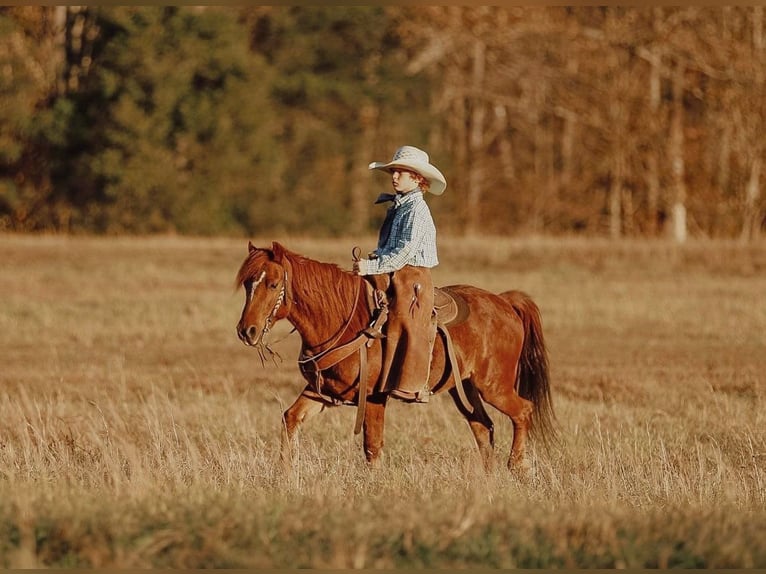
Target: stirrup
x=374 y=332
x=375 y=329
x=422 y=396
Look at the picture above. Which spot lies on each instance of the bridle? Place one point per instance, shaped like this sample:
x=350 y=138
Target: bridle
x=312 y=366
x=304 y=357
x=277 y=305
x=270 y=318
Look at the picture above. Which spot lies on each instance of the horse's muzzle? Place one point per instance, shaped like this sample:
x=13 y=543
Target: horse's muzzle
x=248 y=335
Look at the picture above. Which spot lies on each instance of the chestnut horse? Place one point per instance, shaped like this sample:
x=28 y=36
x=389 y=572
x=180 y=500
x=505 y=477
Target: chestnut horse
x=499 y=348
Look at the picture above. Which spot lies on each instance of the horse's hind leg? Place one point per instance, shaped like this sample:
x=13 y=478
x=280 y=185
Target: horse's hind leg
x=479 y=421
x=509 y=402
x=303 y=407
x=521 y=423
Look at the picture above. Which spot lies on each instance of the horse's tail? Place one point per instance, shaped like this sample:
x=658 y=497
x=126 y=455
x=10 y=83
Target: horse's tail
x=533 y=377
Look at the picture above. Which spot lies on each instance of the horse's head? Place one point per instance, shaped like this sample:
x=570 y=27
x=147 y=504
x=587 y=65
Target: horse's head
x=264 y=276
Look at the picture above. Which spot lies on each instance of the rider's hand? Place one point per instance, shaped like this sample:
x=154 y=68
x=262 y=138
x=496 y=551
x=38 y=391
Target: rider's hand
x=360 y=267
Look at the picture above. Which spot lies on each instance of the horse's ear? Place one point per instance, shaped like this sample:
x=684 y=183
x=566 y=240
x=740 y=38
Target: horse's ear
x=279 y=251
x=252 y=249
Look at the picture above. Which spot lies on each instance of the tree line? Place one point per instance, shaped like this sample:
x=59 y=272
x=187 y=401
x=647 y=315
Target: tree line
x=618 y=121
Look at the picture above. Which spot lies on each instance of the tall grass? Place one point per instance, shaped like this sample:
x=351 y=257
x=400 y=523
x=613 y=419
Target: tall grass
x=136 y=431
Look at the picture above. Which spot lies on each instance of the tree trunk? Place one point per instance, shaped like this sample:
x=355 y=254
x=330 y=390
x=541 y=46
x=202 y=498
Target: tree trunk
x=476 y=141
x=676 y=152
x=753 y=213
x=653 y=167
x=567 y=152
x=360 y=196
x=616 y=115
x=724 y=155
x=653 y=194
x=541 y=153
x=60 y=26
x=505 y=147
x=752 y=216
x=457 y=138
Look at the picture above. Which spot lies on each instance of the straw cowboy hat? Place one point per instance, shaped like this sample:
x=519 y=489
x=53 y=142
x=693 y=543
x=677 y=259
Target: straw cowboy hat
x=417 y=160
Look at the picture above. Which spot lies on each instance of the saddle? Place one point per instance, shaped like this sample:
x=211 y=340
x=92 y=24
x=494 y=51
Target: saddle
x=449 y=307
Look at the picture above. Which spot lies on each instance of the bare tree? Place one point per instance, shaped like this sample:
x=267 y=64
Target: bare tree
x=676 y=155
x=753 y=212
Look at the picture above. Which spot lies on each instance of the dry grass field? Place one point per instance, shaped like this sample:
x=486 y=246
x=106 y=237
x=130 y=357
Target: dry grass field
x=137 y=431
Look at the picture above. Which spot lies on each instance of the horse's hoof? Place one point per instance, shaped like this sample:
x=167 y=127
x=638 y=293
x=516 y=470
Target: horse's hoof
x=520 y=469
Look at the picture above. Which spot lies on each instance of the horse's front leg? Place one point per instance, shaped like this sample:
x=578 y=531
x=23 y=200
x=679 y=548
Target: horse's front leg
x=303 y=407
x=374 y=416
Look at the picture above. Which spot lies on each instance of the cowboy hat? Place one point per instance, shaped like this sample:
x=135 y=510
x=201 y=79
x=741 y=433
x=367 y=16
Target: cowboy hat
x=417 y=160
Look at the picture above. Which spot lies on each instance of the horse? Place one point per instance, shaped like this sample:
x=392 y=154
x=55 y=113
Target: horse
x=499 y=349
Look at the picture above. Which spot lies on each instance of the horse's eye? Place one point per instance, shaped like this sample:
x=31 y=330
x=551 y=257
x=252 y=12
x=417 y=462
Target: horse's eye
x=273 y=285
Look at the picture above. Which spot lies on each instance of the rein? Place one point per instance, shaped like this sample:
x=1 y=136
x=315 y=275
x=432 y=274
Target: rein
x=305 y=358
x=329 y=357
x=312 y=366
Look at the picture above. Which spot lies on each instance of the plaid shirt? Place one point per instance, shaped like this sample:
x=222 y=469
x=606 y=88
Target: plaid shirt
x=408 y=236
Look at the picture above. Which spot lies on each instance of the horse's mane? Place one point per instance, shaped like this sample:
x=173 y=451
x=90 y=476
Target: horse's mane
x=325 y=280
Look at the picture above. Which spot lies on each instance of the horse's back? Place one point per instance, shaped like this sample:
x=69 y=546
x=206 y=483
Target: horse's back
x=492 y=328
x=482 y=303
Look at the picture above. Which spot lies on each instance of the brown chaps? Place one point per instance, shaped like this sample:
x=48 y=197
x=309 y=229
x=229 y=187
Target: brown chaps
x=410 y=332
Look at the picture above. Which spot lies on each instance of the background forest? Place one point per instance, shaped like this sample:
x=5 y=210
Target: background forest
x=617 y=121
